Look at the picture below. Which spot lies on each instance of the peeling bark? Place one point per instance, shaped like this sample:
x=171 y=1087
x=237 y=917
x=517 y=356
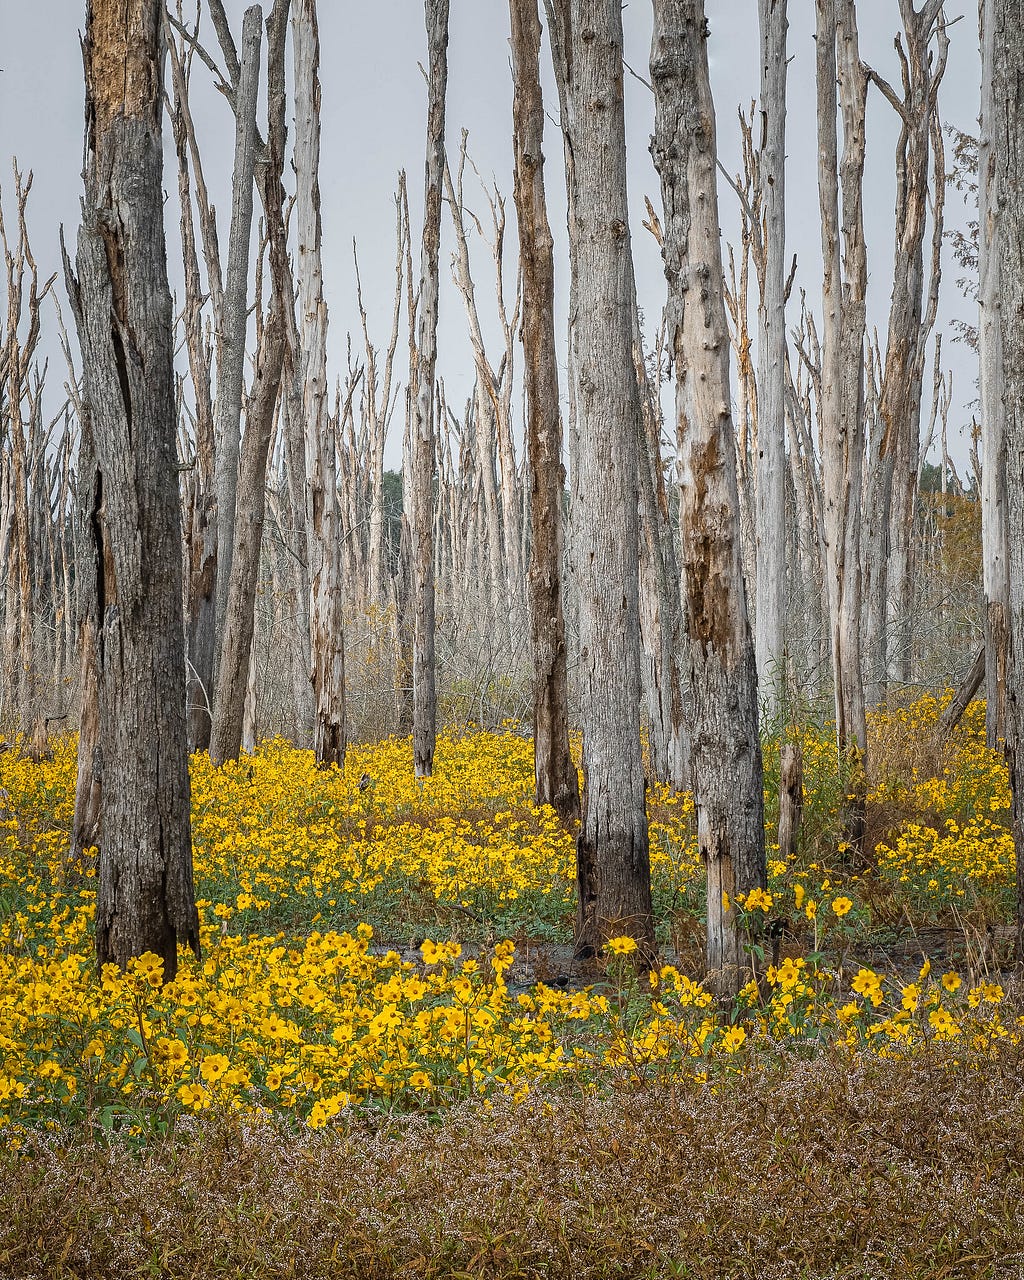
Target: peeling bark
x=726 y=746
x=145 y=899
x=555 y=772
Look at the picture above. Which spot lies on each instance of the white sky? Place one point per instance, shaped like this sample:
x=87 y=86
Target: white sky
x=373 y=125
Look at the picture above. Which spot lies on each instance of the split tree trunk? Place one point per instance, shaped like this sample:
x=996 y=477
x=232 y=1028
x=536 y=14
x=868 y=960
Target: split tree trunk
x=726 y=745
x=145 y=899
x=555 y=772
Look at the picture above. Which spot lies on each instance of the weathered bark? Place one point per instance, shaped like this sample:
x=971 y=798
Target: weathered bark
x=612 y=853
x=323 y=541
x=891 y=482
x=486 y=394
x=239 y=617
x=994 y=529
x=726 y=746
x=842 y=394
x=791 y=798
x=424 y=675
x=234 y=315
x=26 y=449
x=87 y=821
x=201 y=509
x=963 y=695
x=1007 y=142
x=661 y=610
x=772 y=570
x=556 y=779
x=145 y=899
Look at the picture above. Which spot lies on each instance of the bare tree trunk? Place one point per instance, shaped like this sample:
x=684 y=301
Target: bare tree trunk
x=424 y=675
x=555 y=772
x=726 y=753
x=842 y=404
x=661 y=610
x=1004 y=54
x=145 y=899
x=235 y=313
x=1007 y=143
x=17 y=353
x=892 y=485
x=239 y=619
x=994 y=530
x=323 y=518
x=771 y=574
x=201 y=526
x=612 y=853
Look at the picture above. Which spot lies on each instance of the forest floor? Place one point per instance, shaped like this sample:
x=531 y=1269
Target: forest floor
x=387 y=1063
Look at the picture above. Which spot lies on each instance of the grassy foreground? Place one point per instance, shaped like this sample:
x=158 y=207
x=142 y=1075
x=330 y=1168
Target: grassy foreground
x=832 y=1168
x=364 y=1075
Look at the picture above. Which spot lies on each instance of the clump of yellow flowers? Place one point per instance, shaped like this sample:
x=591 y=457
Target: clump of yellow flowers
x=352 y=926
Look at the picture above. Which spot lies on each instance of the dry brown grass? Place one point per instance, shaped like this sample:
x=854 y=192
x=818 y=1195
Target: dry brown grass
x=821 y=1168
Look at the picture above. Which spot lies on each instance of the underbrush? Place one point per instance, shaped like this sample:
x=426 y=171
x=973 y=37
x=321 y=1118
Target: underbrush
x=844 y=1166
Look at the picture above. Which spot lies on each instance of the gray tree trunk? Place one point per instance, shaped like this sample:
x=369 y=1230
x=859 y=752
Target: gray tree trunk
x=233 y=318
x=145 y=898
x=554 y=770
x=612 y=853
x=239 y=617
x=842 y=396
x=891 y=482
x=772 y=570
x=726 y=745
x=323 y=522
x=994 y=531
x=1007 y=142
x=424 y=675
x=201 y=510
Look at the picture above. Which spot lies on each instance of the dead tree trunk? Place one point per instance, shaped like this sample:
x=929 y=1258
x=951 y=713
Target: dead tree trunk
x=235 y=312
x=612 y=853
x=145 y=899
x=771 y=574
x=994 y=530
x=323 y=541
x=842 y=396
x=891 y=492
x=201 y=509
x=1007 y=141
x=726 y=751
x=554 y=770
x=424 y=675
x=239 y=616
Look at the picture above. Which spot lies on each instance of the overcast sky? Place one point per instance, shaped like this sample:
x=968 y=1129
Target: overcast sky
x=373 y=125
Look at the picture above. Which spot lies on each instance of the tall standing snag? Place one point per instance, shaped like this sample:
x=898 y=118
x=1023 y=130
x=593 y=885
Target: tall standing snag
x=726 y=746
x=145 y=899
x=994 y=537
x=422 y=406
x=1007 y=142
x=842 y=373
x=323 y=518
x=554 y=769
x=612 y=851
x=771 y=361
